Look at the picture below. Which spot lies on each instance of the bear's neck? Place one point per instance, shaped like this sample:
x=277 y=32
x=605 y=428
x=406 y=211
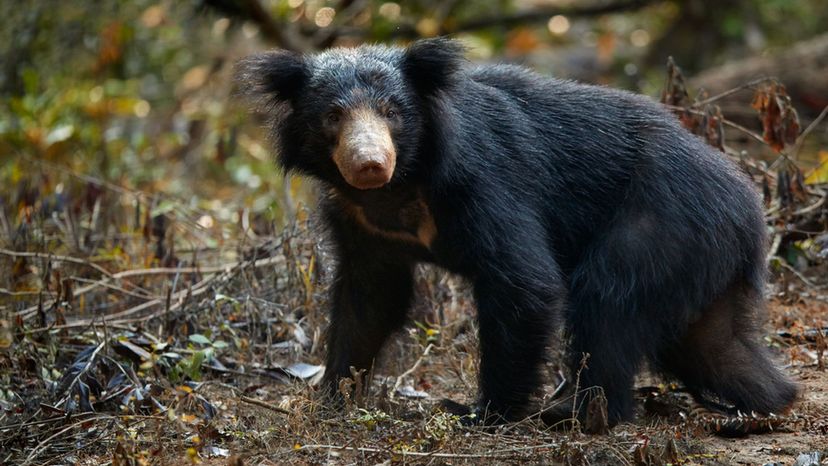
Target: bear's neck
x=401 y=213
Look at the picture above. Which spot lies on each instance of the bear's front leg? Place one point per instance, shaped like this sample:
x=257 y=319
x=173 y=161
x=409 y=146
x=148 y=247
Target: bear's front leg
x=371 y=298
x=517 y=313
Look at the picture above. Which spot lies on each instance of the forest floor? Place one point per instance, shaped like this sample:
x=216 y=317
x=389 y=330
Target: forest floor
x=673 y=431
x=220 y=370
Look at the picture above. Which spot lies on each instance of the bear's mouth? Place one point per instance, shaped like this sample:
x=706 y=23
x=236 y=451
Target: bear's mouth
x=365 y=153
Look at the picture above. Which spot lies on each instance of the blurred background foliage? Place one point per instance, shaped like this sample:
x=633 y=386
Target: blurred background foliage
x=138 y=197
x=138 y=94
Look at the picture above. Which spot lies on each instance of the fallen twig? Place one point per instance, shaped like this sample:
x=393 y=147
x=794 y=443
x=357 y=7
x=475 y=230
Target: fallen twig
x=411 y=369
x=263 y=404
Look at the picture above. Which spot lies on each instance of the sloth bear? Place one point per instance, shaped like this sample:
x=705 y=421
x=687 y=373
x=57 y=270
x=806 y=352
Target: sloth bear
x=562 y=203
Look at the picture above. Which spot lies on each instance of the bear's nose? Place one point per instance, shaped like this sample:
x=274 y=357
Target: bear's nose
x=371 y=168
x=372 y=174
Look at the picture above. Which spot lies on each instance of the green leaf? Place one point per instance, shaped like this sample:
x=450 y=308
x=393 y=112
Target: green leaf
x=163 y=207
x=199 y=339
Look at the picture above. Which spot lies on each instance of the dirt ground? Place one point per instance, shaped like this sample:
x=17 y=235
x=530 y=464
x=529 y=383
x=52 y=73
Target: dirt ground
x=784 y=446
x=284 y=425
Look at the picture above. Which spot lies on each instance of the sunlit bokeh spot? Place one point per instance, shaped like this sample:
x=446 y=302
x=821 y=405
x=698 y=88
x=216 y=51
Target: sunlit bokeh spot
x=141 y=108
x=220 y=26
x=640 y=38
x=390 y=11
x=324 y=17
x=558 y=24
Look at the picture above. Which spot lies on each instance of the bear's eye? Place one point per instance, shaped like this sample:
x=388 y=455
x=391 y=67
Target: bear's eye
x=333 y=117
x=390 y=114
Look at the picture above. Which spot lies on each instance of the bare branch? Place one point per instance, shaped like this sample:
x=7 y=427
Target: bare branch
x=301 y=38
x=542 y=14
x=804 y=135
x=748 y=85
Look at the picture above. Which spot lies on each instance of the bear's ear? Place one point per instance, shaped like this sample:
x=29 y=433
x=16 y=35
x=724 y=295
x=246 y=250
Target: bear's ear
x=430 y=64
x=274 y=77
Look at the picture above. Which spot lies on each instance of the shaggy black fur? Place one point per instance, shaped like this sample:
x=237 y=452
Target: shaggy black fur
x=563 y=203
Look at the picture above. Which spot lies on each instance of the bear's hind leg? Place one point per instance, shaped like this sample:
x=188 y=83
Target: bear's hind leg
x=617 y=294
x=605 y=353
x=721 y=356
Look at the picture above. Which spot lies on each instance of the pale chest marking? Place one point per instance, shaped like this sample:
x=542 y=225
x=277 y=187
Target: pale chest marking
x=414 y=223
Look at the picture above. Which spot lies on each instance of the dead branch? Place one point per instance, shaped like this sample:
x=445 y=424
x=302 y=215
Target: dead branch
x=807 y=132
x=721 y=95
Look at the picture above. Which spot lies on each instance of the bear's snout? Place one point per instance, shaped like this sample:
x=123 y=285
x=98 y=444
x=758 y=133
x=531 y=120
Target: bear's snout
x=365 y=154
x=372 y=174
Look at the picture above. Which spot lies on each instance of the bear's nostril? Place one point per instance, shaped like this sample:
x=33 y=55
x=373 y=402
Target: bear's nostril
x=371 y=168
x=370 y=175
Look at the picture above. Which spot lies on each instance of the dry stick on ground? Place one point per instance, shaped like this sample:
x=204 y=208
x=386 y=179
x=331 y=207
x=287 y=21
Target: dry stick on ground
x=25 y=293
x=197 y=290
x=263 y=404
x=29 y=312
x=21 y=425
x=411 y=369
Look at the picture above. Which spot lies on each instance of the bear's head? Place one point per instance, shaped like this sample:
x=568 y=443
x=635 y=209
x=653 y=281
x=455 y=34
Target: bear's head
x=351 y=117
